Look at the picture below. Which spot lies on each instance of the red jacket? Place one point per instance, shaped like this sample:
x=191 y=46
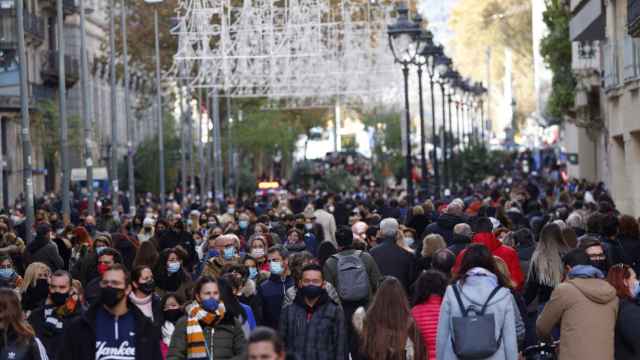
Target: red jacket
x=506 y=253
x=427 y=316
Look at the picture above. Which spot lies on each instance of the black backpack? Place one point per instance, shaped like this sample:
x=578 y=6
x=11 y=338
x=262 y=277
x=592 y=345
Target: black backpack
x=473 y=335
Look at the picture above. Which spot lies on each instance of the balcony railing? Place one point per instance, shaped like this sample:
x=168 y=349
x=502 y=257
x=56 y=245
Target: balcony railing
x=631 y=66
x=49 y=71
x=633 y=17
x=34 y=28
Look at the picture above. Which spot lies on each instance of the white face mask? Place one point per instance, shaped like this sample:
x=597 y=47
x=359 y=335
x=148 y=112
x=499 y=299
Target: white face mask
x=408 y=241
x=257 y=253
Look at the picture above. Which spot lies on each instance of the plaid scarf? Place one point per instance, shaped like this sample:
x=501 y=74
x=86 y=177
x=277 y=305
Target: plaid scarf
x=196 y=315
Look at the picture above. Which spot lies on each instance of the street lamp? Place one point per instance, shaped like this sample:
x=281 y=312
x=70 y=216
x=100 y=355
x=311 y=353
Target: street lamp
x=404 y=42
x=159 y=103
x=431 y=53
x=443 y=67
x=452 y=77
x=426 y=37
x=479 y=91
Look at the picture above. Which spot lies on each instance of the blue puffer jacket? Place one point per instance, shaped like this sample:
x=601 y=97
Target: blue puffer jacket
x=272 y=293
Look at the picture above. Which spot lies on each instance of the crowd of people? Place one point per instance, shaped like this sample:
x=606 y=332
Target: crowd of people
x=502 y=270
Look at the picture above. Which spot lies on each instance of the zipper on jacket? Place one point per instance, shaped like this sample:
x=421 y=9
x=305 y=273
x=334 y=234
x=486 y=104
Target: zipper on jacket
x=117 y=333
x=211 y=343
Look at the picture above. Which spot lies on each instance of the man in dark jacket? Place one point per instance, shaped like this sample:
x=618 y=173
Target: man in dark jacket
x=272 y=290
x=112 y=328
x=444 y=224
x=50 y=321
x=391 y=259
x=43 y=250
x=313 y=326
x=461 y=238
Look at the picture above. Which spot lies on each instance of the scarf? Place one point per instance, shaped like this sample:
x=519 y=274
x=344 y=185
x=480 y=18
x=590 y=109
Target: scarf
x=54 y=316
x=585 y=272
x=196 y=315
x=143 y=304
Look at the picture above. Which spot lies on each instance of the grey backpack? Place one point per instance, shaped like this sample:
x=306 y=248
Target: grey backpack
x=473 y=335
x=353 y=280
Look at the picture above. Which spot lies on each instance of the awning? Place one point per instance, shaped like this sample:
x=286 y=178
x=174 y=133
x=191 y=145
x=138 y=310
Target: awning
x=588 y=22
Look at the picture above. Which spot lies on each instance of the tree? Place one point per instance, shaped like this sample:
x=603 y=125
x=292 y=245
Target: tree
x=556 y=51
x=479 y=25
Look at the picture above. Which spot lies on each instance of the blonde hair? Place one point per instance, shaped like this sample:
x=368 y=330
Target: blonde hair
x=31 y=274
x=504 y=270
x=417 y=210
x=432 y=243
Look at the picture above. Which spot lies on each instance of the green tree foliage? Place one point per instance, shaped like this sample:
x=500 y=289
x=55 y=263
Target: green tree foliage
x=556 y=51
x=477 y=163
x=387 y=151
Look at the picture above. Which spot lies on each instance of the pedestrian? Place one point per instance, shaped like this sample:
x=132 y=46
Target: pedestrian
x=258 y=250
x=444 y=224
x=297 y=261
x=171 y=305
x=265 y=344
x=478 y=285
x=326 y=220
x=326 y=249
x=112 y=327
x=427 y=300
x=462 y=235
x=106 y=259
x=18 y=339
x=585 y=306
x=9 y=277
x=143 y=294
x=627 y=241
x=393 y=260
x=35 y=286
x=430 y=244
x=61 y=307
x=273 y=290
x=207 y=331
x=443 y=260
x=43 y=249
x=313 y=326
x=227 y=252
x=595 y=249
x=627 y=343
x=147 y=255
x=170 y=275
x=387 y=329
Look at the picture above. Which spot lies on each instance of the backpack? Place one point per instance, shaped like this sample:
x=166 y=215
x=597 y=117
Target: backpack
x=353 y=280
x=473 y=336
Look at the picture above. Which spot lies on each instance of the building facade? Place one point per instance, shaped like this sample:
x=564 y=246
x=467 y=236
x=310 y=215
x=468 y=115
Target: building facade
x=608 y=101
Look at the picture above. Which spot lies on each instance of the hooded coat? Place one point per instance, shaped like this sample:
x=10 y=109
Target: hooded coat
x=506 y=253
x=443 y=226
x=475 y=292
x=586 y=310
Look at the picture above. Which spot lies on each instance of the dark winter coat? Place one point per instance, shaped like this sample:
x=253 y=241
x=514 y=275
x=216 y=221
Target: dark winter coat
x=272 y=293
x=459 y=242
x=14 y=350
x=394 y=261
x=51 y=339
x=45 y=251
x=314 y=333
x=330 y=270
x=627 y=340
x=443 y=226
x=419 y=223
x=228 y=340
x=79 y=341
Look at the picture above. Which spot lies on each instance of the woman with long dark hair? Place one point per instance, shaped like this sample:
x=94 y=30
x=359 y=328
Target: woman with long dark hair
x=478 y=283
x=427 y=300
x=17 y=336
x=387 y=330
x=627 y=338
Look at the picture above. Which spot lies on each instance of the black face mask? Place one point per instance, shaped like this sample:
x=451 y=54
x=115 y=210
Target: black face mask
x=148 y=287
x=601 y=265
x=172 y=315
x=40 y=291
x=58 y=299
x=110 y=296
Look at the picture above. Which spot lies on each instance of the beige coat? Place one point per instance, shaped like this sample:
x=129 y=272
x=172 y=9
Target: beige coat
x=586 y=310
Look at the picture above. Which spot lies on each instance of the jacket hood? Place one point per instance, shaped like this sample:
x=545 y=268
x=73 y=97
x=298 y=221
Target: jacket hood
x=448 y=221
x=476 y=290
x=460 y=239
x=597 y=290
x=487 y=239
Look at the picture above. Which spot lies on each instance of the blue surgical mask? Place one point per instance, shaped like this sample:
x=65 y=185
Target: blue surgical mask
x=276 y=267
x=99 y=249
x=210 y=305
x=308 y=226
x=213 y=253
x=229 y=253
x=636 y=289
x=6 y=273
x=253 y=273
x=243 y=224
x=173 y=267
x=408 y=241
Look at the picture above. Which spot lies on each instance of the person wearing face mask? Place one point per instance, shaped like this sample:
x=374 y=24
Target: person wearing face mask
x=112 y=328
x=147 y=232
x=106 y=259
x=143 y=293
x=9 y=278
x=43 y=249
x=209 y=330
x=35 y=287
x=86 y=268
x=17 y=337
x=585 y=306
x=295 y=241
x=313 y=326
x=258 y=251
x=61 y=307
x=627 y=338
x=170 y=275
x=226 y=249
x=171 y=305
x=597 y=254
x=273 y=290
x=244 y=224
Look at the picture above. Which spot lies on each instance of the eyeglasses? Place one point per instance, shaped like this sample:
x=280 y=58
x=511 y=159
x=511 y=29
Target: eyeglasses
x=112 y=283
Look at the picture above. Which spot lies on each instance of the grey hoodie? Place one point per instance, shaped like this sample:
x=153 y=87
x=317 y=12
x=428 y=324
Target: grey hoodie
x=475 y=292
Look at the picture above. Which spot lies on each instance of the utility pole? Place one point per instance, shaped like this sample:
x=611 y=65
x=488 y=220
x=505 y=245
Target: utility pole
x=191 y=131
x=26 y=137
x=131 y=137
x=84 y=88
x=159 y=111
x=183 y=161
x=217 y=148
x=203 y=187
x=230 y=178
x=62 y=101
x=114 y=104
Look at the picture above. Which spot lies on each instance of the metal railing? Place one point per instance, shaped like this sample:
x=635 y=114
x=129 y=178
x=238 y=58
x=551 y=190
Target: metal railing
x=611 y=74
x=34 y=27
x=49 y=69
x=633 y=17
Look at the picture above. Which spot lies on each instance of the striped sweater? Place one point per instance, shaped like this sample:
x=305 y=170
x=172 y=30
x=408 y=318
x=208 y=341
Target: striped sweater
x=426 y=316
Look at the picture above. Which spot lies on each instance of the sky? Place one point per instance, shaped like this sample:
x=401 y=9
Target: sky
x=437 y=12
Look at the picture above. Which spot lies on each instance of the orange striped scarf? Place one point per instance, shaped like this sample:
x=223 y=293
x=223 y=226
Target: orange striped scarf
x=196 y=346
